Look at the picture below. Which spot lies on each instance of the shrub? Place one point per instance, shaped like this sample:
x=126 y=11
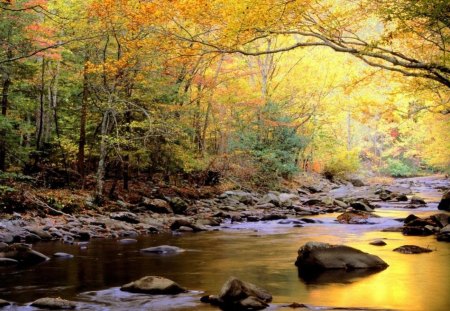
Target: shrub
x=399 y=168
x=341 y=164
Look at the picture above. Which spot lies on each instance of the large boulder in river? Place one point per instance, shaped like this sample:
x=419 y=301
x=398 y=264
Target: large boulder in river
x=239 y=295
x=154 y=285
x=22 y=253
x=355 y=217
x=54 y=304
x=444 y=205
x=412 y=249
x=316 y=256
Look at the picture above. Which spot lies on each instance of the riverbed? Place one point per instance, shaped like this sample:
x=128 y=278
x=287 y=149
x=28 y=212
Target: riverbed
x=262 y=253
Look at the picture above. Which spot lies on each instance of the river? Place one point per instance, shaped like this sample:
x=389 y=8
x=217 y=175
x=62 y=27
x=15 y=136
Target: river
x=262 y=253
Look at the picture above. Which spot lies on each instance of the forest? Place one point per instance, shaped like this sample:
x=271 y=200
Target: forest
x=153 y=150
x=251 y=91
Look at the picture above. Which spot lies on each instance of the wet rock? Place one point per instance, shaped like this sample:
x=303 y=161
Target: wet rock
x=412 y=249
x=154 y=285
x=7 y=262
x=314 y=189
x=273 y=216
x=185 y=229
x=313 y=202
x=32 y=238
x=54 y=304
x=296 y=305
x=361 y=206
x=416 y=231
x=163 y=249
x=4 y=303
x=186 y=222
x=63 y=255
x=157 y=205
x=323 y=256
x=23 y=254
x=179 y=206
x=239 y=295
x=444 y=234
x=418 y=200
x=441 y=219
x=265 y=205
x=444 y=204
x=401 y=197
x=308 y=220
x=43 y=235
x=355 y=218
x=126 y=217
x=378 y=243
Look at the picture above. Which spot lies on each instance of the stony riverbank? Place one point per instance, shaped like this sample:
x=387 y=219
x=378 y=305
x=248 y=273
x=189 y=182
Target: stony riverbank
x=356 y=203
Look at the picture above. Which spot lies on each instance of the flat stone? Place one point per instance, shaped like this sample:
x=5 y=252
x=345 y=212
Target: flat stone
x=154 y=285
x=63 y=255
x=412 y=249
x=163 y=249
x=54 y=304
x=378 y=243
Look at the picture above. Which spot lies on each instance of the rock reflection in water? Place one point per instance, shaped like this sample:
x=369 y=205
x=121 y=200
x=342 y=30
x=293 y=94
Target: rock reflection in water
x=334 y=276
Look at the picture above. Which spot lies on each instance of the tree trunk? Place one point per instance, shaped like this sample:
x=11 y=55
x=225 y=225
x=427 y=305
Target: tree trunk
x=103 y=153
x=5 y=91
x=41 y=112
x=83 y=119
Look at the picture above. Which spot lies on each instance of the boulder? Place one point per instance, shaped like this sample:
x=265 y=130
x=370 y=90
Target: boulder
x=444 y=234
x=157 y=206
x=4 y=303
x=361 y=206
x=418 y=200
x=441 y=219
x=412 y=249
x=154 y=285
x=186 y=222
x=272 y=198
x=287 y=199
x=356 y=182
x=444 y=204
x=126 y=217
x=239 y=295
x=316 y=256
x=240 y=196
x=54 y=304
x=163 y=249
x=23 y=254
x=8 y=262
x=179 y=206
x=355 y=218
x=43 y=235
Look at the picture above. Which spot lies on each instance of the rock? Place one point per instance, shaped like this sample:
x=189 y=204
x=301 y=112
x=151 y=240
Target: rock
x=163 y=249
x=444 y=234
x=240 y=196
x=185 y=222
x=356 y=182
x=444 y=204
x=273 y=216
x=412 y=249
x=313 y=202
x=23 y=254
x=239 y=295
x=401 y=197
x=361 y=206
x=63 y=255
x=126 y=217
x=378 y=243
x=43 y=235
x=179 y=206
x=287 y=199
x=355 y=218
x=314 y=189
x=4 y=303
x=416 y=230
x=154 y=285
x=418 y=200
x=272 y=198
x=157 y=205
x=296 y=305
x=316 y=256
x=8 y=262
x=54 y=304
x=441 y=219
x=185 y=229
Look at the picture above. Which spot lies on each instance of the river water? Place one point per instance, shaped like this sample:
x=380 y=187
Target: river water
x=262 y=253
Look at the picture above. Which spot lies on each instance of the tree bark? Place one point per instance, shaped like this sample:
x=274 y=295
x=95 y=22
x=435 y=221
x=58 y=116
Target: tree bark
x=103 y=153
x=41 y=107
x=83 y=119
x=5 y=91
